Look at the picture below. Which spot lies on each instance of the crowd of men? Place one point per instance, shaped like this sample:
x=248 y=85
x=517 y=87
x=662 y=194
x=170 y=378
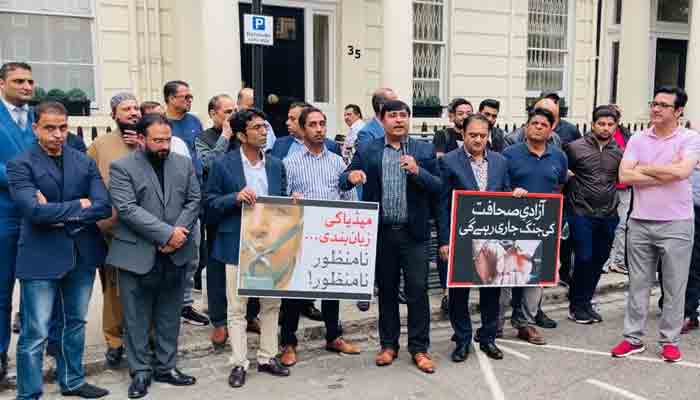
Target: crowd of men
x=159 y=198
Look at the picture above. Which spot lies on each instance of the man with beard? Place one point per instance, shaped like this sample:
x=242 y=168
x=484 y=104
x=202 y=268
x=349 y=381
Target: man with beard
x=490 y=108
x=236 y=179
x=402 y=175
x=104 y=150
x=156 y=195
x=450 y=138
x=594 y=161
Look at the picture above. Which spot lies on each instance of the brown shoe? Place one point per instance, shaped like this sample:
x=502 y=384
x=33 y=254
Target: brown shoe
x=289 y=356
x=339 y=345
x=385 y=357
x=530 y=335
x=218 y=337
x=424 y=362
x=253 y=326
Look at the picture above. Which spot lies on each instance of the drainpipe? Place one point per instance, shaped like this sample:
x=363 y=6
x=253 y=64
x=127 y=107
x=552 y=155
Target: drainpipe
x=133 y=49
x=597 y=53
x=147 y=49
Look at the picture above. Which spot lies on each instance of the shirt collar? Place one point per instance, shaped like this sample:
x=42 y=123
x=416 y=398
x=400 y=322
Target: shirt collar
x=307 y=153
x=247 y=163
x=301 y=142
x=652 y=132
x=356 y=123
x=11 y=107
x=470 y=157
x=547 y=150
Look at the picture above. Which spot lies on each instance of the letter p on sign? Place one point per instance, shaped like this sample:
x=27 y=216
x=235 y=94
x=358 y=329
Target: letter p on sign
x=258 y=24
x=257 y=29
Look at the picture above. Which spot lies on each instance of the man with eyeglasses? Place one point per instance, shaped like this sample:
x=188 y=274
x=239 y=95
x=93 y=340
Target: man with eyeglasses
x=657 y=163
x=403 y=176
x=178 y=102
x=236 y=180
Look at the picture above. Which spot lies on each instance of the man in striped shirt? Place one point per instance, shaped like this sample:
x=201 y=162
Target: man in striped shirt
x=313 y=173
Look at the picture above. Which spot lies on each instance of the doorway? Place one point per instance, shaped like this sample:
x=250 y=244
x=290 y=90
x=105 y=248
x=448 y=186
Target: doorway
x=283 y=63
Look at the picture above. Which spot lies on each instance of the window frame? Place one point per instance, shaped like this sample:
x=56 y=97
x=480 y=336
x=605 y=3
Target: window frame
x=443 y=80
x=569 y=60
x=92 y=17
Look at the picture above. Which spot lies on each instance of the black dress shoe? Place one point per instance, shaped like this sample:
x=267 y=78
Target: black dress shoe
x=113 y=356
x=139 y=386
x=3 y=366
x=87 y=391
x=311 y=312
x=363 y=306
x=491 y=350
x=445 y=307
x=274 y=367
x=237 y=377
x=461 y=352
x=543 y=321
x=175 y=378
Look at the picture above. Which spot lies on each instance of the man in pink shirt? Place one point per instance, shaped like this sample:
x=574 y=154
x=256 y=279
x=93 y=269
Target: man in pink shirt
x=657 y=164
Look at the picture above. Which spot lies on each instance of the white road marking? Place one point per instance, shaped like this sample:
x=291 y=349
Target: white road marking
x=513 y=352
x=599 y=353
x=614 y=389
x=490 y=376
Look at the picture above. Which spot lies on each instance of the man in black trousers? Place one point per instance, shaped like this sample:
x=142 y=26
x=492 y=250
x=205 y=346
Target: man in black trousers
x=402 y=175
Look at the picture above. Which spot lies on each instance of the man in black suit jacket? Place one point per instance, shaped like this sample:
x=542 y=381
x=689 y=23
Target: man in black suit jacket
x=402 y=175
x=471 y=167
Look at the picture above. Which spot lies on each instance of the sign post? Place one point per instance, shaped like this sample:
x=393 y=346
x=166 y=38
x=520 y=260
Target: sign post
x=258 y=31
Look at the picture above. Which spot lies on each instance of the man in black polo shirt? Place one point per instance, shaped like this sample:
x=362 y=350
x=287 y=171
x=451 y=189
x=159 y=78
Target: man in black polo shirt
x=594 y=161
x=534 y=166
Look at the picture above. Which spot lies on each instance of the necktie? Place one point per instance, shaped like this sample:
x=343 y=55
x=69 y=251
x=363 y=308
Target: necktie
x=21 y=122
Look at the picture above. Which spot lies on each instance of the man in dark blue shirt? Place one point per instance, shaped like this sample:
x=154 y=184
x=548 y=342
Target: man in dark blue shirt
x=537 y=167
x=178 y=101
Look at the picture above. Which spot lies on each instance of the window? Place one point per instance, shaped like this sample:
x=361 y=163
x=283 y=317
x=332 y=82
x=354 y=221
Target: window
x=673 y=11
x=429 y=52
x=615 y=65
x=547 y=46
x=321 y=58
x=55 y=37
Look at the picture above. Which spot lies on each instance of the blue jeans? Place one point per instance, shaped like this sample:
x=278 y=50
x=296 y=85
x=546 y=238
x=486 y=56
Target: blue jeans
x=71 y=294
x=592 y=240
x=8 y=256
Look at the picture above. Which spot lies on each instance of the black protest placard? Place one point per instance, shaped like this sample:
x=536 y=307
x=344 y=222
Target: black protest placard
x=499 y=240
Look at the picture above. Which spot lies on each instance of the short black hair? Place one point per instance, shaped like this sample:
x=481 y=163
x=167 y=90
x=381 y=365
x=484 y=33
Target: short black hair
x=49 y=107
x=394 y=105
x=455 y=103
x=379 y=99
x=170 y=89
x=491 y=103
x=681 y=96
x=305 y=114
x=355 y=108
x=214 y=102
x=606 y=112
x=149 y=120
x=11 y=66
x=239 y=120
x=299 y=104
x=474 y=118
x=554 y=96
x=147 y=106
x=541 y=112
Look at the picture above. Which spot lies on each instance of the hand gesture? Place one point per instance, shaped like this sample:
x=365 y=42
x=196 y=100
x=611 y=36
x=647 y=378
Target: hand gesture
x=409 y=164
x=357 y=177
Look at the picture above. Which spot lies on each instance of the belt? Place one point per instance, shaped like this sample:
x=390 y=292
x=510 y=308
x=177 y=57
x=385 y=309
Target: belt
x=395 y=227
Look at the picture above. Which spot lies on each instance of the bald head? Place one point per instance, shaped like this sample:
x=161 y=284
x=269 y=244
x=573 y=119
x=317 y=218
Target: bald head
x=381 y=96
x=246 y=99
x=549 y=105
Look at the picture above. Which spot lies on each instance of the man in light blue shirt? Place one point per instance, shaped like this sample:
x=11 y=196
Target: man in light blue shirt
x=374 y=128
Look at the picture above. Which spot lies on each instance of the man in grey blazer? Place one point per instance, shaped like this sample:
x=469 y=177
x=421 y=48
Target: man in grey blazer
x=157 y=197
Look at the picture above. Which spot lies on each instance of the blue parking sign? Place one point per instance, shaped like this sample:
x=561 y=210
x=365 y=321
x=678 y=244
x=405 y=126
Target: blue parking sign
x=258 y=24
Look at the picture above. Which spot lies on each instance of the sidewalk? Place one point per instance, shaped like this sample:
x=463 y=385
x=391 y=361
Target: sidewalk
x=357 y=325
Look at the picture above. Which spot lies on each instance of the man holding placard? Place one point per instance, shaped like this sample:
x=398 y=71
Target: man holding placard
x=471 y=167
x=313 y=173
x=400 y=174
x=236 y=180
x=534 y=166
